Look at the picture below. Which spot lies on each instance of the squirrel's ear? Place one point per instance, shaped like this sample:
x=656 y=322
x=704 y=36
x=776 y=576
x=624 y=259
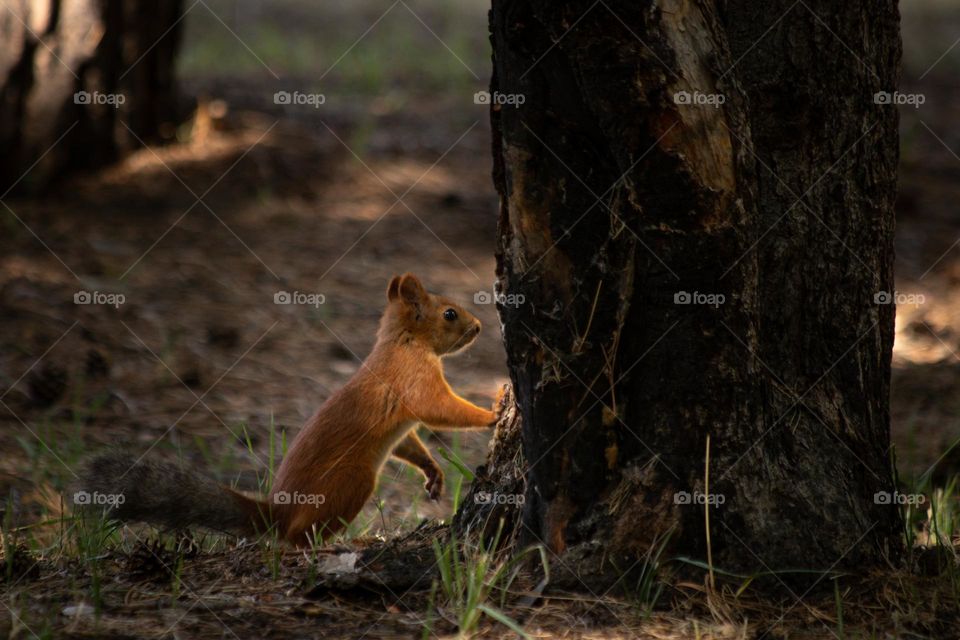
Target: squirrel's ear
x=411 y=290
x=393 y=289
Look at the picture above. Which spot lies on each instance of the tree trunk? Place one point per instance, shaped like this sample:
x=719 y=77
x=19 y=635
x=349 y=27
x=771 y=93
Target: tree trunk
x=696 y=219
x=74 y=75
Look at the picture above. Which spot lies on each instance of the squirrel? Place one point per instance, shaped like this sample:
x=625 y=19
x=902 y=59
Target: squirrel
x=332 y=466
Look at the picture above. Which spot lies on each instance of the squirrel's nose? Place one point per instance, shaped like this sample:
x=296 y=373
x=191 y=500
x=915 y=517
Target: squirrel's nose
x=476 y=328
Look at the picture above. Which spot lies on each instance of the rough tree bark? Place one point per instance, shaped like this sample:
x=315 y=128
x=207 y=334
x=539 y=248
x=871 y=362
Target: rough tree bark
x=725 y=148
x=51 y=50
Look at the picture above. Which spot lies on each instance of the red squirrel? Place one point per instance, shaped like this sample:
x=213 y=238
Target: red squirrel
x=332 y=466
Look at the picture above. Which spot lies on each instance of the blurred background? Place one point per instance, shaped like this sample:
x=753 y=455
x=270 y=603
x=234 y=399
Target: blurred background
x=384 y=169
x=323 y=149
x=926 y=376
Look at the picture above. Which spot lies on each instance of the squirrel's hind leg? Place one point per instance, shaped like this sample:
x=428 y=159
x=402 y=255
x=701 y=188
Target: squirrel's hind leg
x=319 y=515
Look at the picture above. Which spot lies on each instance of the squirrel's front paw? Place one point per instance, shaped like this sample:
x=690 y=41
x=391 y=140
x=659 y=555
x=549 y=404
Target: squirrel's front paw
x=434 y=483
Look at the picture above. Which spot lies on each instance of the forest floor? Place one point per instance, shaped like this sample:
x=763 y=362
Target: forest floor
x=198 y=364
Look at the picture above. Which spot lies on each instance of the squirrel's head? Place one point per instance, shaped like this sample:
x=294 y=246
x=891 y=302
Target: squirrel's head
x=436 y=321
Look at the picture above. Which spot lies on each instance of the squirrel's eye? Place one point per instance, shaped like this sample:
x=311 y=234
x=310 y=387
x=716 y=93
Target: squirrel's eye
x=450 y=315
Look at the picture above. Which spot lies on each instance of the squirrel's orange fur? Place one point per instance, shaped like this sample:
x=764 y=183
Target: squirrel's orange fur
x=339 y=453
x=332 y=466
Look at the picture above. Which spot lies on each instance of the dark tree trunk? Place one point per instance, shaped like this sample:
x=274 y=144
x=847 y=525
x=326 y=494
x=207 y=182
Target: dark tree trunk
x=113 y=51
x=773 y=187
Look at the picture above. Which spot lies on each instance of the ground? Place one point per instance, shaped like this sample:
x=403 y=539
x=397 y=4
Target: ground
x=198 y=363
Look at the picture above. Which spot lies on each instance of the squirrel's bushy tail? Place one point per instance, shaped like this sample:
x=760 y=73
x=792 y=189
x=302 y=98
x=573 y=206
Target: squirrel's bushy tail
x=166 y=494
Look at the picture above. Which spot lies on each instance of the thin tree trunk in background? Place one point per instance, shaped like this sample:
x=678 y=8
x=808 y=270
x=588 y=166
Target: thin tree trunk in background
x=729 y=154
x=114 y=50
